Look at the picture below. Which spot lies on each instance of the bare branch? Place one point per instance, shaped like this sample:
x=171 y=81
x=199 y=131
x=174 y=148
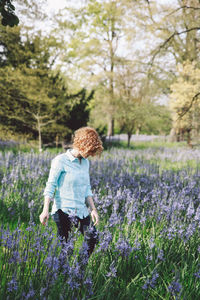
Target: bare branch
x=48 y=122
x=169 y=39
x=182 y=7
x=186 y=109
x=53 y=61
x=150 y=12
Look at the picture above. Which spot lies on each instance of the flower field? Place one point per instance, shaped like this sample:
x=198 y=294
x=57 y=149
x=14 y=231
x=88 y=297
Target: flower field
x=149 y=243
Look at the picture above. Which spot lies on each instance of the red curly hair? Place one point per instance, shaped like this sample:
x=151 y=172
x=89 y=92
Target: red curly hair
x=87 y=141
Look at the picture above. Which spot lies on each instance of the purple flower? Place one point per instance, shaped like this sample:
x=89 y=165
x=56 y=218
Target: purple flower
x=190 y=210
x=73 y=284
x=42 y=291
x=197 y=215
x=12 y=285
x=68 y=247
x=48 y=261
x=149 y=257
x=123 y=247
x=151 y=243
x=161 y=255
x=197 y=274
x=113 y=271
x=105 y=240
x=114 y=219
x=137 y=245
x=30 y=294
x=151 y=282
x=143 y=219
x=175 y=288
x=88 y=283
x=75 y=271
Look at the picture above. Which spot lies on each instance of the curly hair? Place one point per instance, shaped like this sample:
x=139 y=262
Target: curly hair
x=87 y=141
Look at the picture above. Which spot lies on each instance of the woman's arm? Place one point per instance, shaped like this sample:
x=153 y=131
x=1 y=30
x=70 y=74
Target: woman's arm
x=55 y=171
x=94 y=213
x=44 y=216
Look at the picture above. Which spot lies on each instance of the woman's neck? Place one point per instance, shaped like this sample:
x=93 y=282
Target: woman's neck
x=76 y=153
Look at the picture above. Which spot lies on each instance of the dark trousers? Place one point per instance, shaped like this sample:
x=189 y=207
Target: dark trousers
x=65 y=222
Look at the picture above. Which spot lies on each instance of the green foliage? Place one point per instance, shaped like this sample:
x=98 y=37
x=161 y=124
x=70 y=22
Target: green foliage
x=7 y=10
x=35 y=100
x=23 y=252
x=184 y=101
x=158 y=120
x=127 y=83
x=99 y=26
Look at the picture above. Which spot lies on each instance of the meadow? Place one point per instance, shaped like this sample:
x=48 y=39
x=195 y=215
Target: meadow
x=148 y=199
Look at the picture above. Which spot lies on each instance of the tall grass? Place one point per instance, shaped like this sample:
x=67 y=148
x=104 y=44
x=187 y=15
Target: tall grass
x=149 y=239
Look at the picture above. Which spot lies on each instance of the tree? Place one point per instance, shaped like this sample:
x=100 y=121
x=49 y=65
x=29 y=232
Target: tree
x=35 y=100
x=176 y=34
x=7 y=11
x=24 y=82
x=184 y=91
x=99 y=25
x=158 y=120
x=70 y=110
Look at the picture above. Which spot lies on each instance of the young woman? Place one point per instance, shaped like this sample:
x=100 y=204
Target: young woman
x=70 y=182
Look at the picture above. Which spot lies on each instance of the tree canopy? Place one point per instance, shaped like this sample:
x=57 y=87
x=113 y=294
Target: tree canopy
x=108 y=63
x=34 y=96
x=7 y=10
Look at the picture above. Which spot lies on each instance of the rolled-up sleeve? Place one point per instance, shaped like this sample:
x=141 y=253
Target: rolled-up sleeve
x=55 y=171
x=88 y=191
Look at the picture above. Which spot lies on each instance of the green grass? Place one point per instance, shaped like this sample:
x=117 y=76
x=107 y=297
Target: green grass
x=181 y=259
x=137 y=145
x=155 y=144
x=190 y=165
x=131 y=272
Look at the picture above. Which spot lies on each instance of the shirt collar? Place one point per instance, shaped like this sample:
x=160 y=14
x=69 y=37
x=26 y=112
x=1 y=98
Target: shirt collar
x=70 y=156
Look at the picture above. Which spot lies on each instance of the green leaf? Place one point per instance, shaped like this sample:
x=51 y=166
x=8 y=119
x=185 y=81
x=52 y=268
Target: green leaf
x=12 y=7
x=4 y=22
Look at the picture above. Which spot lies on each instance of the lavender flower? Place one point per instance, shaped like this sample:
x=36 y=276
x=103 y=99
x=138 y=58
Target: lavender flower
x=175 y=288
x=12 y=285
x=123 y=247
x=30 y=294
x=105 y=240
x=151 y=282
x=113 y=271
x=73 y=284
x=197 y=274
x=160 y=255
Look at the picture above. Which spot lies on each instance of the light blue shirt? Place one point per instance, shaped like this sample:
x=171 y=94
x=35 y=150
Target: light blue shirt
x=69 y=184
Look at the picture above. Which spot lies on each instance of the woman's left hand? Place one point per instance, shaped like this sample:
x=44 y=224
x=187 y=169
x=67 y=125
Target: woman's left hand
x=95 y=217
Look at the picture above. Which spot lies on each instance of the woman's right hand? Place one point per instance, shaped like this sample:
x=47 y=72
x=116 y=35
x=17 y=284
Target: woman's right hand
x=44 y=216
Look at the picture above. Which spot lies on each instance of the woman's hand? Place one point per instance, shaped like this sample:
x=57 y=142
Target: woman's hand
x=95 y=217
x=44 y=216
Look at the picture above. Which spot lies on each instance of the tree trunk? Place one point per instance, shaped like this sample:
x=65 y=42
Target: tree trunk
x=129 y=139
x=189 y=140
x=110 y=127
x=39 y=136
x=138 y=130
x=56 y=140
x=111 y=80
x=173 y=135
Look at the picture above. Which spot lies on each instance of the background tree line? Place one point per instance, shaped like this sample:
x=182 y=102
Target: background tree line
x=35 y=100
x=110 y=64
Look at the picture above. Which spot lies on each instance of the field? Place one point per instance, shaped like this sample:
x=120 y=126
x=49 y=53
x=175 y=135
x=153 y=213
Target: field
x=148 y=200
